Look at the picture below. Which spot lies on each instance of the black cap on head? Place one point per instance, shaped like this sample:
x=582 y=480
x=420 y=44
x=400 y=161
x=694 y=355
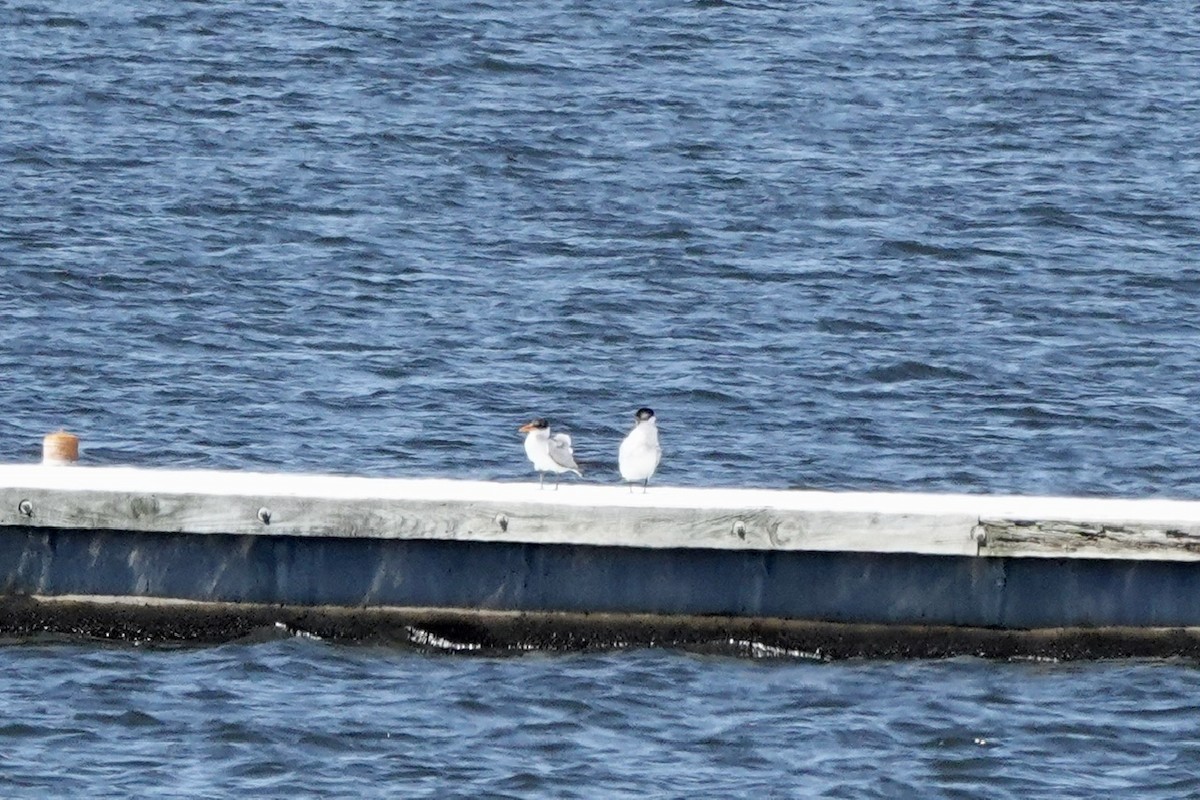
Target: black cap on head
x=540 y=422
x=644 y=414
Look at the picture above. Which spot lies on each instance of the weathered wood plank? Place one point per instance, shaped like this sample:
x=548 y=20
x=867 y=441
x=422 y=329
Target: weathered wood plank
x=1054 y=538
x=227 y=502
x=305 y=505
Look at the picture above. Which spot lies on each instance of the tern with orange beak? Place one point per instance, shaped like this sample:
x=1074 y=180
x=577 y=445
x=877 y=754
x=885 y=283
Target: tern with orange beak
x=640 y=452
x=549 y=452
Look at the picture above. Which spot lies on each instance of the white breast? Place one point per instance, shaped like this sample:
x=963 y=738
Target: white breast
x=640 y=452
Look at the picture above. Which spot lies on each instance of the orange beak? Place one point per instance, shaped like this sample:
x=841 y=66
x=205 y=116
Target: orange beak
x=526 y=428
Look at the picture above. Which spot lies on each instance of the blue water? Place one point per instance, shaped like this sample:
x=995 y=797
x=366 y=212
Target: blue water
x=921 y=246
x=296 y=718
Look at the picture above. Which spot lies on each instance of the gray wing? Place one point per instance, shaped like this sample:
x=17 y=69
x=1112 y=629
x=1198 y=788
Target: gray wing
x=561 y=451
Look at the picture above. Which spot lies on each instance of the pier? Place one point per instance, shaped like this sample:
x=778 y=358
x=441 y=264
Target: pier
x=198 y=555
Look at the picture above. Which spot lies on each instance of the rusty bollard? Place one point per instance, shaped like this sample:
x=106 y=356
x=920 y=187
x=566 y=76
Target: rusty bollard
x=60 y=448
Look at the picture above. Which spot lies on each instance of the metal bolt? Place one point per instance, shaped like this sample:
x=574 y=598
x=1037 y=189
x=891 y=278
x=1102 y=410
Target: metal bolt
x=739 y=528
x=26 y=508
x=264 y=515
x=502 y=521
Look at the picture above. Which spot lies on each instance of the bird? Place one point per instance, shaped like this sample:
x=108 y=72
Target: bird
x=549 y=452
x=640 y=452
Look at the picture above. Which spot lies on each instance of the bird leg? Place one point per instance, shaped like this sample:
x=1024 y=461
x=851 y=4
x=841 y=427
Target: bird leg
x=541 y=480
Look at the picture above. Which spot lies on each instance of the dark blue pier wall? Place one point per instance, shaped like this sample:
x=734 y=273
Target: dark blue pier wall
x=836 y=587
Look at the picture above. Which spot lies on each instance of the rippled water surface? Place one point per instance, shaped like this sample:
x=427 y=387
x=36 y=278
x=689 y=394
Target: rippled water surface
x=927 y=246
x=923 y=246
x=297 y=718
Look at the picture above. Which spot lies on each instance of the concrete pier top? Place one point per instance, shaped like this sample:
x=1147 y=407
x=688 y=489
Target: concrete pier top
x=233 y=502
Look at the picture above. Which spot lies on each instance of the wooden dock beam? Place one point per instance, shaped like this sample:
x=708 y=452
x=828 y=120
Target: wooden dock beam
x=463 y=565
